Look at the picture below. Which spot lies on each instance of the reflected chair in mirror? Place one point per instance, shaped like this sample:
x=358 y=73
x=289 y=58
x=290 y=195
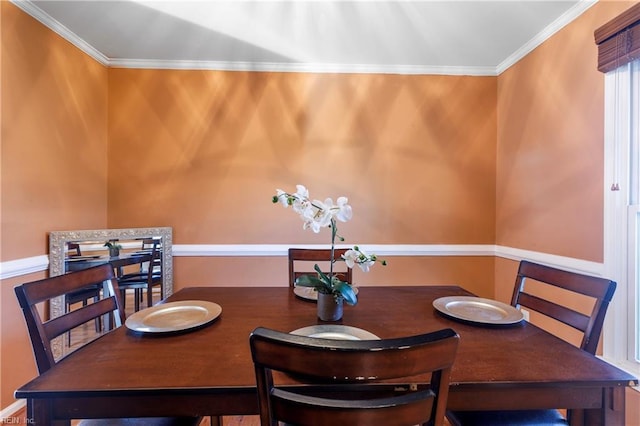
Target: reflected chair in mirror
x=32 y=295
x=301 y=262
x=83 y=295
x=148 y=246
x=144 y=281
x=341 y=380
x=569 y=285
x=73 y=249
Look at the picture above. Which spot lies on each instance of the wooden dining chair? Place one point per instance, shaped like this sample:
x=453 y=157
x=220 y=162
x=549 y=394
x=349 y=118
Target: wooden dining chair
x=598 y=290
x=83 y=295
x=73 y=249
x=308 y=257
x=144 y=281
x=347 y=375
x=31 y=296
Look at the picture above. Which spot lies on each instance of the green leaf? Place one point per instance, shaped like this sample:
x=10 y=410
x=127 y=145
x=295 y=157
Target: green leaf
x=347 y=292
x=313 y=281
x=308 y=281
x=323 y=276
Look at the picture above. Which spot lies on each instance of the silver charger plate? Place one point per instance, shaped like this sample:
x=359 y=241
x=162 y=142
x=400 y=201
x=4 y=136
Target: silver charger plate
x=310 y=293
x=335 y=332
x=174 y=316
x=478 y=310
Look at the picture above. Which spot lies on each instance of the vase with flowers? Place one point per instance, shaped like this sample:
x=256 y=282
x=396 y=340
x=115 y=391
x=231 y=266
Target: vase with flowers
x=114 y=248
x=316 y=214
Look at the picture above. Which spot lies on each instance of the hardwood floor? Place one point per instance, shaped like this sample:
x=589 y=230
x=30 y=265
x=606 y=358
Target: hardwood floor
x=236 y=421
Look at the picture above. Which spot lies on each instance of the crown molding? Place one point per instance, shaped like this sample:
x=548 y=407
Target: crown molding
x=567 y=17
x=301 y=67
x=34 y=11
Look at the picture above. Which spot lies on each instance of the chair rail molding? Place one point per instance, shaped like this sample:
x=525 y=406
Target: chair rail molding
x=28 y=265
x=204 y=250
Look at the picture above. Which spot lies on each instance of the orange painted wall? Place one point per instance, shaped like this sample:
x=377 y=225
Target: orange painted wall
x=550 y=144
x=204 y=151
x=53 y=163
x=412 y=153
x=474 y=273
x=54 y=140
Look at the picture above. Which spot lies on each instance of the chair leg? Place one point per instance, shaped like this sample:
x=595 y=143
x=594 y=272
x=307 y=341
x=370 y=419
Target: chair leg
x=149 y=296
x=136 y=296
x=68 y=308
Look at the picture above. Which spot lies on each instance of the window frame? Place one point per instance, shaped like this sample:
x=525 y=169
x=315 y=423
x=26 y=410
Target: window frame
x=621 y=340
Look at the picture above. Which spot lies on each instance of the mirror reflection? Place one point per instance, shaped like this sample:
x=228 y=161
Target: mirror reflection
x=142 y=262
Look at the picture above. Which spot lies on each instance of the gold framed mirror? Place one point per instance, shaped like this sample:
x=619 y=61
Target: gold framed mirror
x=94 y=239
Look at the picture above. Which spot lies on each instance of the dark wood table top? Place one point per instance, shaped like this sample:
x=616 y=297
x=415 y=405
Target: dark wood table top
x=83 y=262
x=217 y=359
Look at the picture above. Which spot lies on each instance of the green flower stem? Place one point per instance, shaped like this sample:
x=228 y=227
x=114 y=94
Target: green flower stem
x=334 y=231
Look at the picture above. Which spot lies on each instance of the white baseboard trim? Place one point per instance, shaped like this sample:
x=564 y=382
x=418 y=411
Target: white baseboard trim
x=10 y=411
x=19 y=267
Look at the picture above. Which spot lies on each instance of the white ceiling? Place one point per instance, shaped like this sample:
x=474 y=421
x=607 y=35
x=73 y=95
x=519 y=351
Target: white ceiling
x=476 y=37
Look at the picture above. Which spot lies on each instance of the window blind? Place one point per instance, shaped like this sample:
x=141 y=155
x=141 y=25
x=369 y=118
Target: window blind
x=619 y=40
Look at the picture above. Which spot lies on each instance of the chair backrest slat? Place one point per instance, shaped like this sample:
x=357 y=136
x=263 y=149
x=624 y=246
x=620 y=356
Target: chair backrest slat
x=601 y=290
x=310 y=256
x=60 y=325
x=406 y=409
x=568 y=316
x=350 y=368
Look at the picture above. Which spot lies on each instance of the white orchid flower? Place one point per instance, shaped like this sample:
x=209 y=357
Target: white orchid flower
x=344 y=212
x=300 y=206
x=326 y=211
x=358 y=257
x=366 y=265
x=300 y=199
x=318 y=214
x=341 y=210
x=350 y=257
x=302 y=193
x=283 y=197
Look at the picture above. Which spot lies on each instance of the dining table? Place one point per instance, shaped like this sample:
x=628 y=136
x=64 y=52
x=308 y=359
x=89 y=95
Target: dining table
x=76 y=263
x=207 y=370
